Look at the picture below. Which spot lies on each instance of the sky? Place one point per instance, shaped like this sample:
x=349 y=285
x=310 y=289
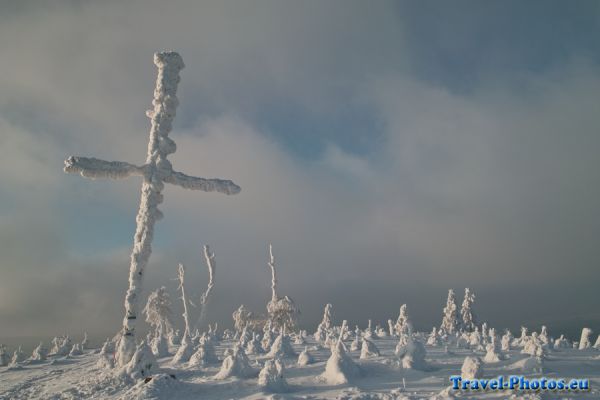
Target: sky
x=388 y=150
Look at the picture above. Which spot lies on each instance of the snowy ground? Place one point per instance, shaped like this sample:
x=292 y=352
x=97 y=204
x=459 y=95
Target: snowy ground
x=382 y=377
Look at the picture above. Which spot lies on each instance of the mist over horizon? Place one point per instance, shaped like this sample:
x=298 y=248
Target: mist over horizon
x=390 y=151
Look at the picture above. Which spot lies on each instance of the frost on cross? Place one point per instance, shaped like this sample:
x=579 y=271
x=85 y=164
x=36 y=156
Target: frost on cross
x=155 y=172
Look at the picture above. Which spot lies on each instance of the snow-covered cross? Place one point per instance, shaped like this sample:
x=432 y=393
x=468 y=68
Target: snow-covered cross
x=155 y=172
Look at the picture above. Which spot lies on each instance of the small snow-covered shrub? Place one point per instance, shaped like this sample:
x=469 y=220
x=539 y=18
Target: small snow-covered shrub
x=271 y=377
x=471 y=368
x=18 y=357
x=412 y=355
x=184 y=352
x=254 y=346
x=368 y=349
x=236 y=364
x=282 y=347
x=506 y=341
x=142 y=364
x=340 y=368
x=39 y=353
x=158 y=312
x=433 y=339
x=160 y=345
x=76 y=350
x=305 y=358
x=562 y=343
x=493 y=354
x=61 y=345
x=205 y=354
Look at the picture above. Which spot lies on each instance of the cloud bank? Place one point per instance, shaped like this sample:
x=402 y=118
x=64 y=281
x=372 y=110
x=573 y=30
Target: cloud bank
x=378 y=181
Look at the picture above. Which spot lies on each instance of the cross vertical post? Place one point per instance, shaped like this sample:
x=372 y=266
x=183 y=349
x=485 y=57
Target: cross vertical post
x=154 y=172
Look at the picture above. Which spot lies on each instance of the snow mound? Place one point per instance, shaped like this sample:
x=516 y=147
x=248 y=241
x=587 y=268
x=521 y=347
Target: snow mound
x=271 y=378
x=161 y=386
x=528 y=365
x=340 y=368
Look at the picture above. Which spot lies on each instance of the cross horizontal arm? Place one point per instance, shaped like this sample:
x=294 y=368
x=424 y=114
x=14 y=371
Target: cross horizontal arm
x=95 y=168
x=206 y=185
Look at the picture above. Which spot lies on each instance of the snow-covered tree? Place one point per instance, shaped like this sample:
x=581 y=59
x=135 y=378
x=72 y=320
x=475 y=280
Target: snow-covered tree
x=468 y=320
x=61 y=345
x=471 y=368
x=85 y=343
x=281 y=347
x=186 y=349
x=205 y=353
x=585 y=341
x=412 y=355
x=493 y=353
x=282 y=311
x=211 y=264
x=433 y=339
x=402 y=323
x=450 y=320
x=142 y=364
x=18 y=357
x=271 y=378
x=105 y=357
x=368 y=349
x=340 y=368
x=159 y=344
x=562 y=343
x=237 y=364
x=305 y=358
x=4 y=356
x=325 y=325
x=254 y=346
x=39 y=353
x=241 y=318
x=506 y=341
x=158 y=312
x=391 y=328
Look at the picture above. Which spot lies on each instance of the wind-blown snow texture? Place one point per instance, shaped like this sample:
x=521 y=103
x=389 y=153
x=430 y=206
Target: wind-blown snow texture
x=155 y=172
